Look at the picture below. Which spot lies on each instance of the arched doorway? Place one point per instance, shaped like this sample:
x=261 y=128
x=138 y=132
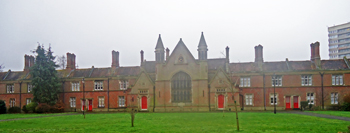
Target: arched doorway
x=144 y=103
x=181 y=86
x=221 y=101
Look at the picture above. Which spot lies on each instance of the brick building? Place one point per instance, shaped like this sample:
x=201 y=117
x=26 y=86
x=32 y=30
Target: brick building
x=178 y=81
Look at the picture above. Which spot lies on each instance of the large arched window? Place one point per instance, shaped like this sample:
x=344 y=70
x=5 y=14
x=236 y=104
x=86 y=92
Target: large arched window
x=181 y=88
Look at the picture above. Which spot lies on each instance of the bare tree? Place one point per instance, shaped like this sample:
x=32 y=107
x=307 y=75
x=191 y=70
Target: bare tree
x=61 y=61
x=2 y=67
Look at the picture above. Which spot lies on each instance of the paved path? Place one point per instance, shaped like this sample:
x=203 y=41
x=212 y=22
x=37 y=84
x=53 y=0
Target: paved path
x=38 y=117
x=320 y=115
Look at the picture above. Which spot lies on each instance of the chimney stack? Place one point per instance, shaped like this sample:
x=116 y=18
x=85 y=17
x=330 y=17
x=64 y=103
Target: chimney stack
x=227 y=54
x=115 y=59
x=28 y=62
x=315 y=54
x=70 y=61
x=141 y=57
x=167 y=53
x=259 y=54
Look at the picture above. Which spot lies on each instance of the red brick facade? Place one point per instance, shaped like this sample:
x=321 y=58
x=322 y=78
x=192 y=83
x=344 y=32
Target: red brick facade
x=249 y=84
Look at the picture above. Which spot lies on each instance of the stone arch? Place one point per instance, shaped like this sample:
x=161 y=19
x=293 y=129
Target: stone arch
x=181 y=88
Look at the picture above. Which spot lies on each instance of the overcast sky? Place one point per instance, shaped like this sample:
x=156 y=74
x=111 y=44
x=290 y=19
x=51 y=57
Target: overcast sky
x=92 y=29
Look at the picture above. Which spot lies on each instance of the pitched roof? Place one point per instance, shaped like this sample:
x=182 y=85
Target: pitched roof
x=244 y=67
x=334 y=64
x=149 y=66
x=132 y=71
x=216 y=63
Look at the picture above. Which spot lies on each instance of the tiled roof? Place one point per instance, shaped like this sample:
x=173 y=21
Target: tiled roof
x=216 y=63
x=244 y=67
x=132 y=71
x=300 y=65
x=275 y=66
x=100 y=72
x=149 y=66
x=333 y=64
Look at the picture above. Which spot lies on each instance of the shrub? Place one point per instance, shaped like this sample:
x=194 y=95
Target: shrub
x=346 y=103
x=42 y=108
x=31 y=106
x=24 y=109
x=14 y=109
x=2 y=107
x=57 y=108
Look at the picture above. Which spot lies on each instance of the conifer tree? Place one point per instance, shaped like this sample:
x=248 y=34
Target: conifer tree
x=45 y=79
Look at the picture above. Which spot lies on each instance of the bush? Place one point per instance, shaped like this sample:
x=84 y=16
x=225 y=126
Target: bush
x=14 y=110
x=57 y=108
x=345 y=106
x=42 y=108
x=2 y=107
x=24 y=109
x=31 y=106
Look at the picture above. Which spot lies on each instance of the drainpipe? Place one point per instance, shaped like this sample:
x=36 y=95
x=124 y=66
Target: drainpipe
x=154 y=97
x=20 y=94
x=322 y=89
x=209 y=96
x=264 y=92
x=108 y=96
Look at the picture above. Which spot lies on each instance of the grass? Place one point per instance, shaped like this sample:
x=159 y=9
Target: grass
x=178 y=122
x=335 y=113
x=14 y=116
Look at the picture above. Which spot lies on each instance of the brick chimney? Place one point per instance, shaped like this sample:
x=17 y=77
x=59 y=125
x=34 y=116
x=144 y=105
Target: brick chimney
x=26 y=63
x=70 y=61
x=115 y=59
x=167 y=53
x=141 y=52
x=227 y=58
x=315 y=54
x=259 y=54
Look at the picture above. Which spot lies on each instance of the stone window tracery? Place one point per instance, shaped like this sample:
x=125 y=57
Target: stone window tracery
x=181 y=88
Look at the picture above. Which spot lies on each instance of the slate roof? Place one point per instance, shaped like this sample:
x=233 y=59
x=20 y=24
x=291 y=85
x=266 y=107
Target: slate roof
x=334 y=64
x=149 y=66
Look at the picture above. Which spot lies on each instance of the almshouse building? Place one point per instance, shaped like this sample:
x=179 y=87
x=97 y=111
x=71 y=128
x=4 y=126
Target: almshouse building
x=178 y=81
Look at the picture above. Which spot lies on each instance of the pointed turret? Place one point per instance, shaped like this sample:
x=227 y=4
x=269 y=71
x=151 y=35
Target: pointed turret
x=159 y=50
x=202 y=48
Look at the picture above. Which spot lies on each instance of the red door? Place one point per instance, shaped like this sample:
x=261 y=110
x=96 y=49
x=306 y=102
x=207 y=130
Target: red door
x=296 y=101
x=144 y=102
x=90 y=105
x=221 y=101
x=287 y=102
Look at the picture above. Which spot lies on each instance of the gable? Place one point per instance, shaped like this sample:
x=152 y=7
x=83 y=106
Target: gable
x=179 y=53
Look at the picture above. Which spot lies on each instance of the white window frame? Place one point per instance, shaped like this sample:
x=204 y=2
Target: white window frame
x=337 y=79
x=244 y=82
x=12 y=102
x=306 y=80
x=277 y=79
x=72 y=102
x=28 y=101
x=75 y=86
x=121 y=101
x=98 y=85
x=29 y=88
x=275 y=99
x=101 y=102
x=334 y=97
x=10 y=88
x=123 y=84
x=310 y=97
x=249 y=99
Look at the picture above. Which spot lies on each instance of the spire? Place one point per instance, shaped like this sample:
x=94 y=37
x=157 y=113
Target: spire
x=159 y=43
x=202 y=41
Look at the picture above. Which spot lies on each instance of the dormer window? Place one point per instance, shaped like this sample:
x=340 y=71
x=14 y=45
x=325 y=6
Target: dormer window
x=124 y=84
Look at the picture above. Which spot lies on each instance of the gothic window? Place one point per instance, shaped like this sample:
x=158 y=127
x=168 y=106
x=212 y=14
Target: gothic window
x=181 y=88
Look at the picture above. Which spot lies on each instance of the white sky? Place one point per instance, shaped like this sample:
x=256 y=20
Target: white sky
x=92 y=29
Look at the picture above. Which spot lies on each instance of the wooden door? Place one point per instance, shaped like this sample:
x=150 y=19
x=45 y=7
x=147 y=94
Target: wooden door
x=287 y=102
x=144 y=102
x=90 y=105
x=221 y=101
x=296 y=101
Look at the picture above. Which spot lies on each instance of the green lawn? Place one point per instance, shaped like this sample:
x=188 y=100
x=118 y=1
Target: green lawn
x=14 y=116
x=335 y=113
x=177 y=122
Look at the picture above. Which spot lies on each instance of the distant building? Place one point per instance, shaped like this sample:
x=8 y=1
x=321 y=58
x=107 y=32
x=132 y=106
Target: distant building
x=177 y=81
x=339 y=41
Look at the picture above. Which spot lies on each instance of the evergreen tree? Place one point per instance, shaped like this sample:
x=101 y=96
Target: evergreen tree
x=45 y=79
